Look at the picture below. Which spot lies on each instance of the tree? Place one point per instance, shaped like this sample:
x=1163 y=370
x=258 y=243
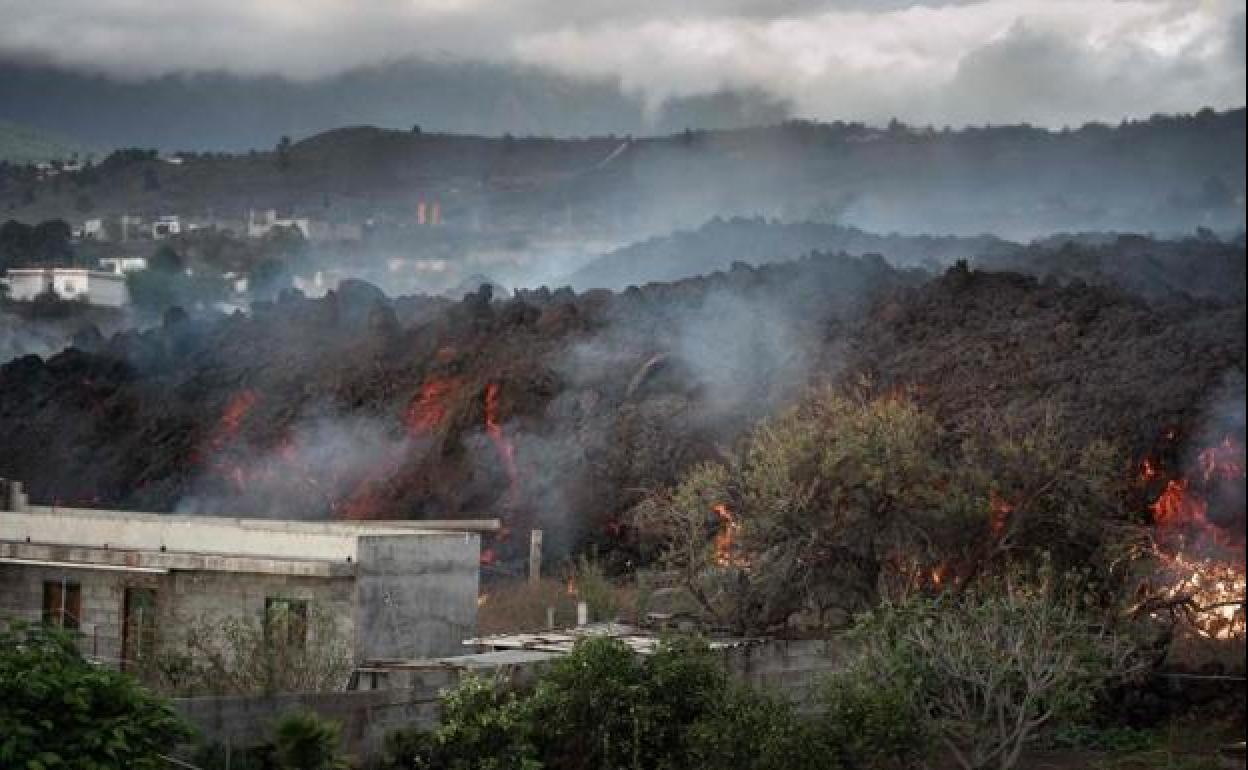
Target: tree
x=989 y=668
x=59 y=711
x=283 y=153
x=288 y=652
x=846 y=499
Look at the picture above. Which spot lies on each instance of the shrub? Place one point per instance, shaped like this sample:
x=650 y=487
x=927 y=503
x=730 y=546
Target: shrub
x=59 y=711
x=243 y=657
x=987 y=670
x=304 y=741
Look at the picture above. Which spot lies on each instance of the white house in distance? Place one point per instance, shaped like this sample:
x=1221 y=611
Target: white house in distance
x=123 y=265
x=70 y=283
x=259 y=226
x=166 y=226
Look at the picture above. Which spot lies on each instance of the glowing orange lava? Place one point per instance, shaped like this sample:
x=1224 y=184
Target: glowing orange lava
x=429 y=408
x=506 y=451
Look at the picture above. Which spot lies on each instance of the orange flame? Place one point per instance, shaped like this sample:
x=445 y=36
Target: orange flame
x=999 y=511
x=724 y=543
x=1199 y=559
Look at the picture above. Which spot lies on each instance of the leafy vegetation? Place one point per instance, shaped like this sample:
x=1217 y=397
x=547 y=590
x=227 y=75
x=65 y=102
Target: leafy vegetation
x=848 y=499
x=60 y=712
x=602 y=707
x=238 y=656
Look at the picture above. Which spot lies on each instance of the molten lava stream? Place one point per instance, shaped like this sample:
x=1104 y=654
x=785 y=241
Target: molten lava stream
x=506 y=452
x=428 y=408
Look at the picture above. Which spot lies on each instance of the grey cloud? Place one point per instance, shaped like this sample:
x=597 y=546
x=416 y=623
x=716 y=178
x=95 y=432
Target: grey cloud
x=954 y=61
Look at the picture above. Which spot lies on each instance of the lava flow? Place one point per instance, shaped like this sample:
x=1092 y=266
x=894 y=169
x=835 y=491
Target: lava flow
x=428 y=409
x=506 y=451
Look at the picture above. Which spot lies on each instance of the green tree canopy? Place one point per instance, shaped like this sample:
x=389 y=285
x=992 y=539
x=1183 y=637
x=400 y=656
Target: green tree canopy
x=57 y=710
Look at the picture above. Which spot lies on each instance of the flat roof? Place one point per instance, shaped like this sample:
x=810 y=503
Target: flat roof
x=267 y=538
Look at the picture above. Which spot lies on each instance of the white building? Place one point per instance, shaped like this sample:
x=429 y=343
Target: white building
x=166 y=226
x=93 y=229
x=123 y=265
x=259 y=226
x=70 y=283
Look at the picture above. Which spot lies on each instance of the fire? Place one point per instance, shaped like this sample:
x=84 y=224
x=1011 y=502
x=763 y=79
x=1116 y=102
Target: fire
x=428 y=408
x=506 y=451
x=999 y=511
x=1176 y=506
x=571 y=587
x=725 y=537
x=1201 y=562
x=938 y=575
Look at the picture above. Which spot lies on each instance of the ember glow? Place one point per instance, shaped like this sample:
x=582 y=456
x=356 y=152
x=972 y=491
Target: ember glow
x=1199 y=543
x=725 y=537
x=999 y=511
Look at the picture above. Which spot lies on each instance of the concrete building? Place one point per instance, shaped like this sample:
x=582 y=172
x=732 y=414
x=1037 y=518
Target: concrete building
x=96 y=287
x=259 y=225
x=123 y=265
x=125 y=579
x=166 y=226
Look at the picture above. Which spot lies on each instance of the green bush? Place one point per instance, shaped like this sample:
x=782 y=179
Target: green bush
x=304 y=741
x=57 y=710
x=604 y=708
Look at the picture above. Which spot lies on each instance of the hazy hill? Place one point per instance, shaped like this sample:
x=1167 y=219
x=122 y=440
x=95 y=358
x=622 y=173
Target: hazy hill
x=1165 y=174
x=23 y=144
x=220 y=111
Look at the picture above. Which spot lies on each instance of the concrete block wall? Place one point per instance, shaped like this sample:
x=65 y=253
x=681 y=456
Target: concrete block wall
x=416 y=597
x=103 y=601
x=209 y=596
x=365 y=717
x=792 y=668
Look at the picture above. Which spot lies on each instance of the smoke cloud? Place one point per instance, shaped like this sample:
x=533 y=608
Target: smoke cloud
x=1046 y=61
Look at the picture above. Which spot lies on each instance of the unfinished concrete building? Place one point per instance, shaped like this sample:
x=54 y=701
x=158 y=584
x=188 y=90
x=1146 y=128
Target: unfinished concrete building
x=123 y=579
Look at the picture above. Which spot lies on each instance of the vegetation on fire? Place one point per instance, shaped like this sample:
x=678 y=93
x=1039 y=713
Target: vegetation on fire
x=847 y=499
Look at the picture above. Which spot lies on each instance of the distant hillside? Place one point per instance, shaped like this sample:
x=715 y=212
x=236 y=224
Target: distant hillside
x=719 y=243
x=23 y=144
x=1164 y=175
x=220 y=111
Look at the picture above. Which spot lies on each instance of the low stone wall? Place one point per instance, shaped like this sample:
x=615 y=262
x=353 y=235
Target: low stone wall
x=791 y=668
x=366 y=717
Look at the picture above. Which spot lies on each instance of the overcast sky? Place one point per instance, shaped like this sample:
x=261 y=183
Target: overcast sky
x=1050 y=62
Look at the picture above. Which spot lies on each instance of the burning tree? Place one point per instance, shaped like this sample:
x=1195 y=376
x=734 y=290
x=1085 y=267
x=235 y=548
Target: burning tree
x=846 y=499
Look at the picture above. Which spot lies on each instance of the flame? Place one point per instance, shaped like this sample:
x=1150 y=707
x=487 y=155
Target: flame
x=938 y=574
x=725 y=537
x=506 y=451
x=1200 y=563
x=571 y=588
x=999 y=510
